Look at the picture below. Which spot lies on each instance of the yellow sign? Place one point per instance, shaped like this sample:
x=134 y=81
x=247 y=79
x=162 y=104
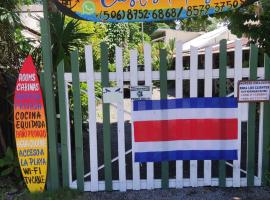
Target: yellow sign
x=30 y=128
x=143 y=10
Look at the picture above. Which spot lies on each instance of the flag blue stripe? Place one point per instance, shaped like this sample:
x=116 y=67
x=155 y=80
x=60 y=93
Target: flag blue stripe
x=208 y=102
x=186 y=155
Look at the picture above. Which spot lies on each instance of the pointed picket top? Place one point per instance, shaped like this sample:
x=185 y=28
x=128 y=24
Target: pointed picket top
x=30 y=127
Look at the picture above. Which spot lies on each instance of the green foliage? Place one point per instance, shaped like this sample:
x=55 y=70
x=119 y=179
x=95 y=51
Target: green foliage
x=150 y=27
x=98 y=33
x=84 y=100
x=155 y=53
x=196 y=24
x=13 y=46
x=171 y=52
x=66 y=194
x=253 y=21
x=9 y=164
x=117 y=35
x=67 y=35
x=135 y=41
x=170 y=47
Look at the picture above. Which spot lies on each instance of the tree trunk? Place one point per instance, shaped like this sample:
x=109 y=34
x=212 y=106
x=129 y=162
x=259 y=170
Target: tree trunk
x=3 y=144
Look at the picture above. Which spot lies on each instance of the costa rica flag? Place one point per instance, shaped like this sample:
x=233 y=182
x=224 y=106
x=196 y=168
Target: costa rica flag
x=185 y=129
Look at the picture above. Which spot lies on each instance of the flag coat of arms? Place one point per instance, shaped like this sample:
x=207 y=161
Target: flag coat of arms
x=185 y=129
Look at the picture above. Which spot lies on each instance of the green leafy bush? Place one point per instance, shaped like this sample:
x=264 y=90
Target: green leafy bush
x=84 y=99
x=9 y=164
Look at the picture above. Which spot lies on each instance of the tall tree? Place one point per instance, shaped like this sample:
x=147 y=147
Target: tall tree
x=13 y=46
x=253 y=21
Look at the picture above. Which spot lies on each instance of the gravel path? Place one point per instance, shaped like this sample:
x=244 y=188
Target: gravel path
x=205 y=193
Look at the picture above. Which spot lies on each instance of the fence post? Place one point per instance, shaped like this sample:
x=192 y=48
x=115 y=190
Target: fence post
x=77 y=120
x=50 y=110
x=106 y=119
x=42 y=85
x=163 y=95
x=63 y=122
x=253 y=62
x=222 y=93
x=266 y=127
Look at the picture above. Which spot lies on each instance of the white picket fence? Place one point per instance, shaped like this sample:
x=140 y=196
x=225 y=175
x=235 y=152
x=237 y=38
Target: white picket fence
x=207 y=74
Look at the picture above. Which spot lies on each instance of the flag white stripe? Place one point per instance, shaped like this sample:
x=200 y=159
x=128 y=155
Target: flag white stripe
x=186 y=145
x=187 y=113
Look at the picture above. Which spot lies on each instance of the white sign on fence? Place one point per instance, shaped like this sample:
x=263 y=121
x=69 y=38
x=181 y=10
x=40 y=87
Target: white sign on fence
x=253 y=91
x=112 y=94
x=140 y=92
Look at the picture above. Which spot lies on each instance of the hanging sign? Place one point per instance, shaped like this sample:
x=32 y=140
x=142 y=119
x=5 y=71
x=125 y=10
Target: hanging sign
x=112 y=94
x=253 y=91
x=30 y=128
x=143 y=10
x=140 y=93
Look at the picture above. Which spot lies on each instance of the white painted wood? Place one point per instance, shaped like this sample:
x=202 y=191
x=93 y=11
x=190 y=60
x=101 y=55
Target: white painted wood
x=120 y=122
x=179 y=94
x=148 y=75
x=170 y=75
x=157 y=183
x=238 y=77
x=148 y=82
x=92 y=117
x=208 y=85
x=244 y=112
x=68 y=136
x=134 y=82
x=260 y=146
x=193 y=93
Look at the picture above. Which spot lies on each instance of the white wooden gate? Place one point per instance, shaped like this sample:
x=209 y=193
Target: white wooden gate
x=94 y=182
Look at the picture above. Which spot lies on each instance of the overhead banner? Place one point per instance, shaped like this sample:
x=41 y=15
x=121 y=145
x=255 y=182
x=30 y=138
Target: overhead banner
x=143 y=10
x=30 y=128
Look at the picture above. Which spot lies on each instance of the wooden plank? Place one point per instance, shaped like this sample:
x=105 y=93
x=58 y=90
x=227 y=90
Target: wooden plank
x=148 y=82
x=253 y=62
x=42 y=86
x=63 y=122
x=106 y=118
x=238 y=54
x=92 y=117
x=208 y=85
x=68 y=135
x=266 y=128
x=179 y=94
x=49 y=100
x=193 y=93
x=222 y=93
x=163 y=95
x=120 y=122
x=157 y=183
x=77 y=119
x=260 y=143
x=134 y=82
x=170 y=75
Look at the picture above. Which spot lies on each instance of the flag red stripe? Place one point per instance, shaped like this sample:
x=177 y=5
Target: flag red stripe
x=185 y=129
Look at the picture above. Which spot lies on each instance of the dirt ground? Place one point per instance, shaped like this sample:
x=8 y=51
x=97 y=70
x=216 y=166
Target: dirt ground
x=12 y=190
x=204 y=193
